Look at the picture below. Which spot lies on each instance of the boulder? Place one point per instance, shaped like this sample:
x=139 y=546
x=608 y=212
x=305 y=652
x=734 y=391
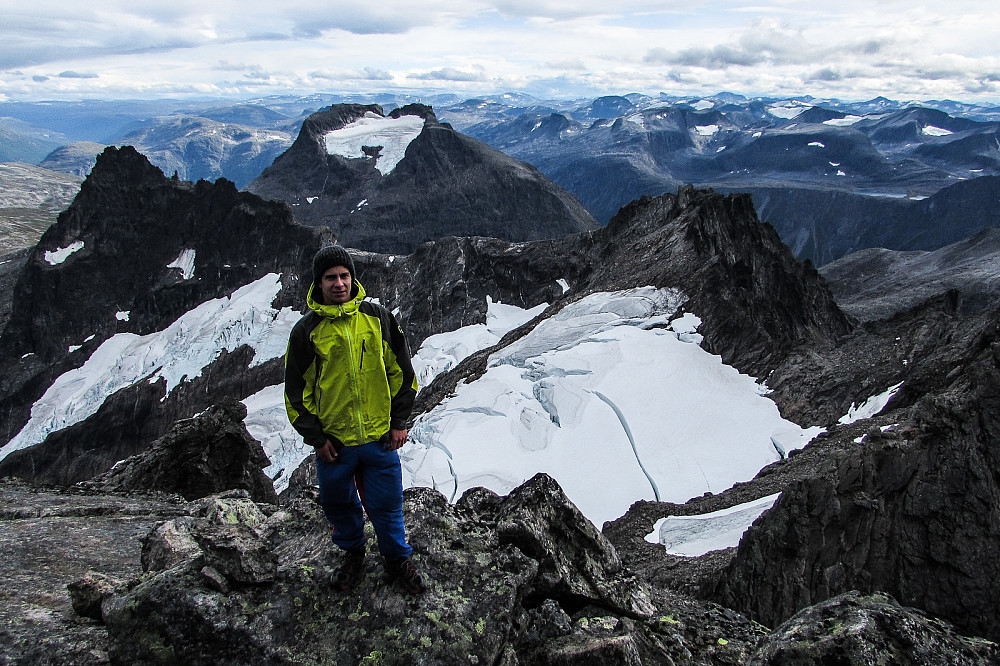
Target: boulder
x=859 y=630
x=201 y=456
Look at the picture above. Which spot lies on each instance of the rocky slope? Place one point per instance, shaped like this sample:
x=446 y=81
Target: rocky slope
x=446 y=184
x=522 y=579
x=30 y=200
x=877 y=283
x=76 y=157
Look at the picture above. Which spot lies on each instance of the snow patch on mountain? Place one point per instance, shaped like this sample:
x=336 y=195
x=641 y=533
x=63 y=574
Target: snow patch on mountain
x=691 y=536
x=846 y=121
x=185 y=263
x=871 y=406
x=178 y=353
x=55 y=257
x=371 y=130
x=930 y=130
x=607 y=398
x=787 y=110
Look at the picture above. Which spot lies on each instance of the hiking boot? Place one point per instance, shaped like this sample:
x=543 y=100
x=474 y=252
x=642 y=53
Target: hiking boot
x=352 y=567
x=403 y=572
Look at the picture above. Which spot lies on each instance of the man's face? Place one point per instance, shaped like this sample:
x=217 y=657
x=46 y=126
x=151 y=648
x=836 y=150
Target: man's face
x=336 y=285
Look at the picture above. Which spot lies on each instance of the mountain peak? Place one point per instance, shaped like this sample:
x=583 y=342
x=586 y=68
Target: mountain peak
x=361 y=173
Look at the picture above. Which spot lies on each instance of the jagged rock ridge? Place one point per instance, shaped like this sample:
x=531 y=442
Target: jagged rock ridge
x=128 y=224
x=447 y=184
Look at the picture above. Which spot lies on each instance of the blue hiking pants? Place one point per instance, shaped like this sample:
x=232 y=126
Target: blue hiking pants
x=368 y=476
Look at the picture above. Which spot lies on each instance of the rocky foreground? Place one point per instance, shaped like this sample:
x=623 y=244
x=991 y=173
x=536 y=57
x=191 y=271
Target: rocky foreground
x=105 y=573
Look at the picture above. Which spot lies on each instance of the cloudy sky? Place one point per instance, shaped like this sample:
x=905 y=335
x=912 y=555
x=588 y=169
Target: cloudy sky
x=851 y=49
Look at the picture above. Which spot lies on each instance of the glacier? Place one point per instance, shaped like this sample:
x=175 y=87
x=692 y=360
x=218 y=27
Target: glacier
x=392 y=134
x=177 y=353
x=613 y=398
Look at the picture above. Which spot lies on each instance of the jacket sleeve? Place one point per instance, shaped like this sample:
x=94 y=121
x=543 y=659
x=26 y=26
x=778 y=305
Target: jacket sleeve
x=399 y=370
x=300 y=376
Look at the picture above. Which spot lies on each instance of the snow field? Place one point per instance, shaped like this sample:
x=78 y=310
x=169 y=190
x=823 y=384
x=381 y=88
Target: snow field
x=393 y=134
x=177 y=353
x=612 y=403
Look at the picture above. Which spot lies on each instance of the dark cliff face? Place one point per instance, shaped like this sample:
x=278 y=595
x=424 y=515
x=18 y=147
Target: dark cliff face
x=756 y=300
x=911 y=511
x=447 y=184
x=132 y=223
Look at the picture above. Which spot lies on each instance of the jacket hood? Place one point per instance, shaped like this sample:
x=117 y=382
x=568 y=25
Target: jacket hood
x=333 y=311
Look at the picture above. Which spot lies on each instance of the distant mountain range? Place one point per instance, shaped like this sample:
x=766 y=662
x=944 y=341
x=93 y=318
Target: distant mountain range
x=832 y=177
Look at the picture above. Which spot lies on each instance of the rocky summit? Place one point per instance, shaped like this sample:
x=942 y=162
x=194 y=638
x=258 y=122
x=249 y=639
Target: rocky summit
x=389 y=183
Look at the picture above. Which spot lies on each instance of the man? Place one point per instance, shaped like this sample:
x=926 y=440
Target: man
x=349 y=389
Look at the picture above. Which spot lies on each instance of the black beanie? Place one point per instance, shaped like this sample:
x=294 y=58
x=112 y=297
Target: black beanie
x=327 y=258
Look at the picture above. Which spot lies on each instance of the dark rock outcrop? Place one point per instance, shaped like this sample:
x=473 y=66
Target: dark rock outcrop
x=522 y=579
x=855 y=630
x=205 y=455
x=447 y=184
x=912 y=511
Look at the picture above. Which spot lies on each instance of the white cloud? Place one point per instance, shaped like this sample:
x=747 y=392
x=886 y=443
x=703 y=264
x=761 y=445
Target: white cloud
x=851 y=49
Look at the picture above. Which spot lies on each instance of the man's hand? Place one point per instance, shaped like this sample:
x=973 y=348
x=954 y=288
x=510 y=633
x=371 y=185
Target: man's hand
x=327 y=453
x=396 y=439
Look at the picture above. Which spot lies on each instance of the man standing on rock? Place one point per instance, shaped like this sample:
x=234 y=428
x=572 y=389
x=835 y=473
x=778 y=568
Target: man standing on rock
x=349 y=389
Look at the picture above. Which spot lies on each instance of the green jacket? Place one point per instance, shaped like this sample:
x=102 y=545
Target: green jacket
x=348 y=376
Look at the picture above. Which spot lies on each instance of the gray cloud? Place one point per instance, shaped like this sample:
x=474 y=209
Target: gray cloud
x=825 y=74
x=70 y=74
x=373 y=74
x=717 y=57
x=449 y=74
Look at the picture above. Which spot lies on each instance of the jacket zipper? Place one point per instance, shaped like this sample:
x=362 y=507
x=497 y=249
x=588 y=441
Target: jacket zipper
x=357 y=386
